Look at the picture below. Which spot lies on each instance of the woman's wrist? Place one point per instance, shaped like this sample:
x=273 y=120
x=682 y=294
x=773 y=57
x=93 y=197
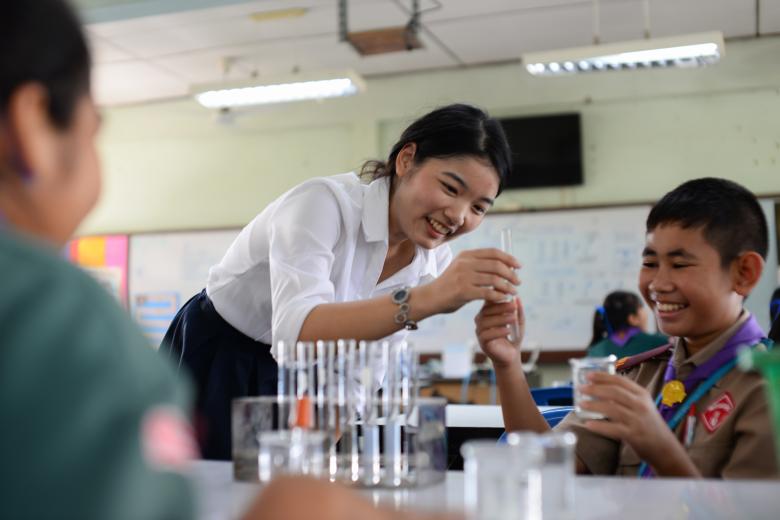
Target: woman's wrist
x=421 y=302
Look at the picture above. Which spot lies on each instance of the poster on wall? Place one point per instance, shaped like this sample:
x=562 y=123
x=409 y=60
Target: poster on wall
x=105 y=259
x=167 y=269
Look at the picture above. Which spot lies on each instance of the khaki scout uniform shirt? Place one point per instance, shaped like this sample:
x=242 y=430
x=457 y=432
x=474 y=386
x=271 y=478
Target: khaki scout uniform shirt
x=740 y=445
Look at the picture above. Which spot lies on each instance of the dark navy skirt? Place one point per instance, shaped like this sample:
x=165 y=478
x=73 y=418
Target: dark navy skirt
x=223 y=362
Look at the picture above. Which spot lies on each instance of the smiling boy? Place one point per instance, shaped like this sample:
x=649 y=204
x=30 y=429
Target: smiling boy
x=681 y=409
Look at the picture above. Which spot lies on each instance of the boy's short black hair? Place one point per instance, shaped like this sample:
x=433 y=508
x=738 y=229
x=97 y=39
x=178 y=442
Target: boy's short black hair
x=729 y=215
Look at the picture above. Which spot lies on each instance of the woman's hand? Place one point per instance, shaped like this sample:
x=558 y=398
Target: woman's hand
x=496 y=322
x=633 y=418
x=477 y=274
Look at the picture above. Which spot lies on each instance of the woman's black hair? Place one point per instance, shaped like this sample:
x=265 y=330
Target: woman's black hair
x=613 y=315
x=450 y=131
x=42 y=42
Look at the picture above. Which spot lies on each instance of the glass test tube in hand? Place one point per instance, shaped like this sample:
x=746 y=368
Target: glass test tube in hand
x=506 y=247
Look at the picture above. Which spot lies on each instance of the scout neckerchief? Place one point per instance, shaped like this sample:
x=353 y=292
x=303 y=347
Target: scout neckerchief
x=676 y=398
x=620 y=338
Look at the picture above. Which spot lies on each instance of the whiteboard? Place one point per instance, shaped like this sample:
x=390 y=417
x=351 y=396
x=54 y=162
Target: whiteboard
x=166 y=269
x=570 y=260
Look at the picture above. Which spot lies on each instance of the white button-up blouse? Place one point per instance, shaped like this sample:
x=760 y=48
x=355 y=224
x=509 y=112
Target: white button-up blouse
x=323 y=241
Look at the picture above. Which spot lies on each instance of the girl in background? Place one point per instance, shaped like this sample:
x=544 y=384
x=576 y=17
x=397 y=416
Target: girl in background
x=620 y=327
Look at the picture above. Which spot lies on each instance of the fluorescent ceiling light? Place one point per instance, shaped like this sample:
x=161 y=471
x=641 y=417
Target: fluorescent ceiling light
x=294 y=88
x=691 y=50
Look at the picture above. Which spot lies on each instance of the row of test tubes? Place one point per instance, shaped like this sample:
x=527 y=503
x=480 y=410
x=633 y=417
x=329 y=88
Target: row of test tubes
x=357 y=404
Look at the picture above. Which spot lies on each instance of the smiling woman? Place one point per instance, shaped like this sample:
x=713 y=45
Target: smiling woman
x=339 y=258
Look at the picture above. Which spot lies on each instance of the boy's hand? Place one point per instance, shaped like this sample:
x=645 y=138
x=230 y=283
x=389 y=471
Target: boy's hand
x=633 y=417
x=493 y=326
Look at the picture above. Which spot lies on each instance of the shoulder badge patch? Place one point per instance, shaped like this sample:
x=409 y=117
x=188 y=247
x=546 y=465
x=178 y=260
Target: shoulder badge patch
x=625 y=363
x=167 y=440
x=717 y=412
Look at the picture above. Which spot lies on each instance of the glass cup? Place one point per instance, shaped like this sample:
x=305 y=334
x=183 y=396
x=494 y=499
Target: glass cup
x=291 y=452
x=502 y=481
x=580 y=368
x=558 y=470
x=250 y=417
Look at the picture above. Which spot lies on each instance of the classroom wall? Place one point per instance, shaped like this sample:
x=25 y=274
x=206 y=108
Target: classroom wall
x=173 y=165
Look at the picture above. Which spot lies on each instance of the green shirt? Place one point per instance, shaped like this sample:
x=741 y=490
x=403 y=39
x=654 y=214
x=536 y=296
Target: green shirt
x=77 y=380
x=639 y=343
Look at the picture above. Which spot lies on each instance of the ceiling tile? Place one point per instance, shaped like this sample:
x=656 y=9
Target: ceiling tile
x=158 y=39
x=132 y=82
x=440 y=10
x=621 y=21
x=105 y=52
x=733 y=17
x=273 y=57
x=195 y=16
x=309 y=54
x=507 y=36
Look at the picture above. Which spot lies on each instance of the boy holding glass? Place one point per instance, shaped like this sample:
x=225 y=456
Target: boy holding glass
x=681 y=409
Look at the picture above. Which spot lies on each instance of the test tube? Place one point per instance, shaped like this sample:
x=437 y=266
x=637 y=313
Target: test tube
x=391 y=397
x=286 y=383
x=371 y=454
x=355 y=408
x=320 y=400
x=333 y=408
x=506 y=247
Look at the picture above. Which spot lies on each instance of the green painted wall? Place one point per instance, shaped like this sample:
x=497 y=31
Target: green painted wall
x=173 y=166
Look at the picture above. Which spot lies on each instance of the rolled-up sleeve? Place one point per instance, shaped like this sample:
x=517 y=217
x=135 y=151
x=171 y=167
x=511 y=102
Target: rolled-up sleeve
x=304 y=233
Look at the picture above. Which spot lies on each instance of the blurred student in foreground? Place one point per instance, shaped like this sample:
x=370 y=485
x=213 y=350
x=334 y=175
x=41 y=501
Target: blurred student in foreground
x=93 y=421
x=682 y=409
x=620 y=327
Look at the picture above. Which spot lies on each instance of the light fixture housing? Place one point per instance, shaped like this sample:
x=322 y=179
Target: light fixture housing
x=690 y=50
x=295 y=87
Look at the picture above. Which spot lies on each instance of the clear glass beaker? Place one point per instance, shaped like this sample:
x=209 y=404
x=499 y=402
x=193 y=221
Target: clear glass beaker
x=558 y=470
x=580 y=368
x=502 y=481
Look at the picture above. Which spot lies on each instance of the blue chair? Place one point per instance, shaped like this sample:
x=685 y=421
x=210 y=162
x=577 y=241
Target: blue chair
x=553 y=396
x=553 y=416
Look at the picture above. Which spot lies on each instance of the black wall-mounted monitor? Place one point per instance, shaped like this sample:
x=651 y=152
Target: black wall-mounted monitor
x=546 y=150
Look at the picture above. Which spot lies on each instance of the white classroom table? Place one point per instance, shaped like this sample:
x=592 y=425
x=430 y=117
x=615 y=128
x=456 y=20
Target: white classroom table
x=478 y=415
x=602 y=498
